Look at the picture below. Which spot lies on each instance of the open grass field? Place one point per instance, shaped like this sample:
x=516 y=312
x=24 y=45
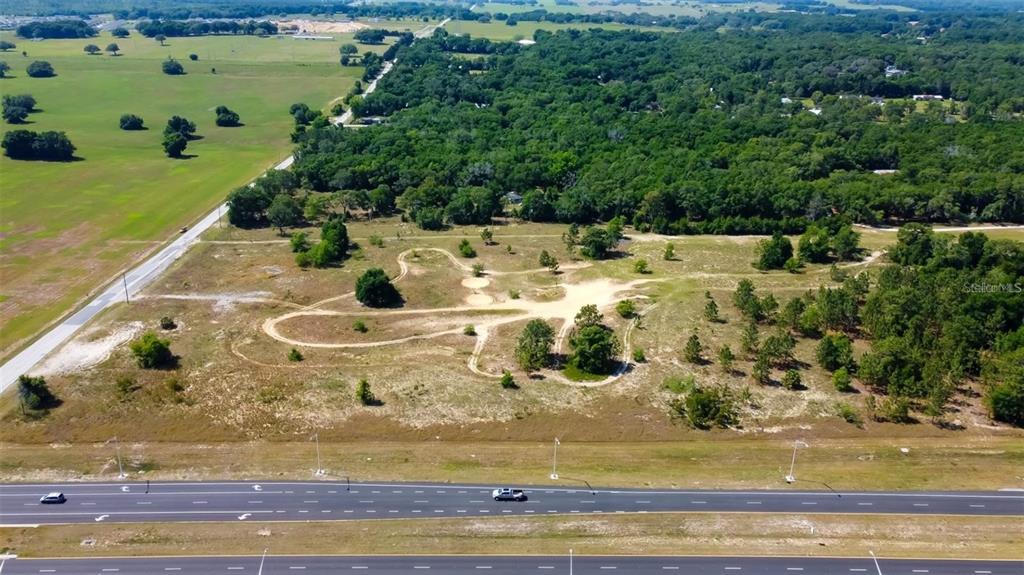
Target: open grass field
x=646 y=534
x=67 y=228
x=242 y=304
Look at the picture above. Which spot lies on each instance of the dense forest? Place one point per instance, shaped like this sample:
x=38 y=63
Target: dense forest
x=764 y=132
x=952 y=309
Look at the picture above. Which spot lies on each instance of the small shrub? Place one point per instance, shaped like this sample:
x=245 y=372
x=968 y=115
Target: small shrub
x=692 y=351
x=152 y=352
x=791 y=379
x=376 y=240
x=507 y=382
x=466 y=249
x=670 y=252
x=360 y=326
x=849 y=414
x=841 y=380
x=167 y=323
x=193 y=57
x=478 y=270
x=676 y=384
x=125 y=386
x=792 y=265
x=295 y=355
x=304 y=259
x=364 y=394
x=513 y=294
x=725 y=358
x=299 y=242
x=711 y=311
x=706 y=408
x=469 y=330
x=626 y=308
x=641 y=267
x=895 y=409
x=638 y=355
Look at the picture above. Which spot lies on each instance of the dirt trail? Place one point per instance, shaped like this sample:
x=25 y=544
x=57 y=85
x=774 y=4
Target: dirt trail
x=602 y=293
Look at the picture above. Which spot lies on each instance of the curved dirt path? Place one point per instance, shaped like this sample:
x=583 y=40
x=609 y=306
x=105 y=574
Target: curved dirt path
x=559 y=309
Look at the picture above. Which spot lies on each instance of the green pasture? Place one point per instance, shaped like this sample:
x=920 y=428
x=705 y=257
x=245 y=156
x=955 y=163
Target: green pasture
x=66 y=228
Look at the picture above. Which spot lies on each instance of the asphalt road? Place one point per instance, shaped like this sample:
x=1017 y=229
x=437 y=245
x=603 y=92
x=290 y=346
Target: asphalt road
x=132 y=282
x=327 y=501
x=459 y=565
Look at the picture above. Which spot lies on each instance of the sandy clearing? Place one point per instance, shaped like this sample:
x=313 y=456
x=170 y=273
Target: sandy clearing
x=223 y=302
x=81 y=353
x=602 y=292
x=321 y=26
x=476 y=283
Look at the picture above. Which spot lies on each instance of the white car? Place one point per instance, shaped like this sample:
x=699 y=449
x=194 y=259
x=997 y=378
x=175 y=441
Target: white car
x=508 y=495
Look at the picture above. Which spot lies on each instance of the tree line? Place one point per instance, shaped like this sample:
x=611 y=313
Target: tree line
x=56 y=29
x=678 y=139
x=178 y=28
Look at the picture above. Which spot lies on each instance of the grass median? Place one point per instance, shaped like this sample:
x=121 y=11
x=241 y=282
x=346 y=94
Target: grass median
x=647 y=534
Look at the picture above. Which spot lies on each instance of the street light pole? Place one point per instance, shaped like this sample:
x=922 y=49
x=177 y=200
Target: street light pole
x=570 y=561
x=554 y=461
x=120 y=467
x=261 y=562
x=319 y=470
x=876 y=561
x=792 y=464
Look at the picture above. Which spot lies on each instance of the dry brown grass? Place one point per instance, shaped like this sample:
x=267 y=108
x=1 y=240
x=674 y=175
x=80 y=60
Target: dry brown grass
x=649 y=534
x=239 y=386
x=487 y=453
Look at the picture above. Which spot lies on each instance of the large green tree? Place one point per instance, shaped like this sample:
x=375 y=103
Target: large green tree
x=374 y=289
x=534 y=345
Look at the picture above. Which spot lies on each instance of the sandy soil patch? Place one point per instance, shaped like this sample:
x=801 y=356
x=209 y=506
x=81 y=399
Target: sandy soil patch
x=321 y=26
x=82 y=353
x=476 y=283
x=479 y=299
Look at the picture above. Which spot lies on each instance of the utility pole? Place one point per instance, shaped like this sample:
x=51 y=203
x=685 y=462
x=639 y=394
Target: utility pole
x=554 y=461
x=124 y=280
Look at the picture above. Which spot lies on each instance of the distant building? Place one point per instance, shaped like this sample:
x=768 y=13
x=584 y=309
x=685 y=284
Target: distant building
x=884 y=172
x=927 y=97
x=513 y=198
x=526 y=42
x=893 y=71
x=815 y=111
x=785 y=100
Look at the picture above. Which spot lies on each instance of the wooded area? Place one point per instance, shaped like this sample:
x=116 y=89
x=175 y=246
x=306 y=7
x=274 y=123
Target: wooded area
x=678 y=138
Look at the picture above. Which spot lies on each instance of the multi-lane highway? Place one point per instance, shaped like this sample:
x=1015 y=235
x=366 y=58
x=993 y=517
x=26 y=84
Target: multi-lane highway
x=497 y=565
x=330 y=501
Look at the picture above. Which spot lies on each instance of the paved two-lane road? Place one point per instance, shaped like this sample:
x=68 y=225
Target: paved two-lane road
x=327 y=501
x=508 y=565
